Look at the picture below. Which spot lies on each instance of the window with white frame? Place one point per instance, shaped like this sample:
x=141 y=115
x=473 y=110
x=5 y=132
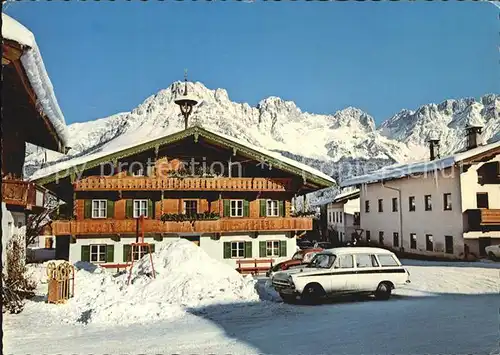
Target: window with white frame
x=138 y=251
x=99 y=208
x=272 y=209
x=273 y=248
x=98 y=253
x=237 y=249
x=236 y=208
x=140 y=208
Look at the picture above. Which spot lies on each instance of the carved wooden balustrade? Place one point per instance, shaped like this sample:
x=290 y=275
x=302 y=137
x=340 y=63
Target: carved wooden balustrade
x=22 y=193
x=129 y=226
x=99 y=183
x=483 y=218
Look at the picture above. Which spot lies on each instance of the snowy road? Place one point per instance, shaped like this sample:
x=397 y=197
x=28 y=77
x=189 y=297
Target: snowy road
x=457 y=316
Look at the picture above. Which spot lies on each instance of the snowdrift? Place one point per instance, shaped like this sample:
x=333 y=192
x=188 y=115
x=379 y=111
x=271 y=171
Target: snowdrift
x=186 y=277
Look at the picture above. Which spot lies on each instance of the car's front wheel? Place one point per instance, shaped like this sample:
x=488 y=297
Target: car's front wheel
x=383 y=291
x=312 y=294
x=492 y=256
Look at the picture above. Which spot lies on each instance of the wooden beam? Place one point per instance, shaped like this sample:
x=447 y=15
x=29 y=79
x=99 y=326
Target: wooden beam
x=11 y=51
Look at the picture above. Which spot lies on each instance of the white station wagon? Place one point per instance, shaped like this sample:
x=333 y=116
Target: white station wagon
x=346 y=270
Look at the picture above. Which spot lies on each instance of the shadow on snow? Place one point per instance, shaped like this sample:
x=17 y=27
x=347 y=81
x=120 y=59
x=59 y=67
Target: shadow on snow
x=442 y=323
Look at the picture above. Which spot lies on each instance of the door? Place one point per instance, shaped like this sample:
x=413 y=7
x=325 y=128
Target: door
x=482 y=200
x=483 y=243
x=344 y=278
x=448 y=244
x=368 y=272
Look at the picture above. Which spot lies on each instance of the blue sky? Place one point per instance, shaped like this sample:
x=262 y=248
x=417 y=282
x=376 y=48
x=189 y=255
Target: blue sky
x=107 y=57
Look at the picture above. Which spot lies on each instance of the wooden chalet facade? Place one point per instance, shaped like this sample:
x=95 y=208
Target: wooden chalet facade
x=24 y=120
x=233 y=200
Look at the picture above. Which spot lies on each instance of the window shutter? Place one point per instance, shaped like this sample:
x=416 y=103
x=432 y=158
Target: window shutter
x=246 y=208
x=152 y=247
x=263 y=208
x=227 y=250
x=87 y=209
x=126 y=252
x=85 y=253
x=129 y=209
x=281 y=206
x=150 y=209
x=248 y=249
x=110 y=213
x=227 y=208
x=282 y=247
x=110 y=253
x=262 y=249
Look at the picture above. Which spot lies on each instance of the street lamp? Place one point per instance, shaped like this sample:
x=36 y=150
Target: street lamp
x=186 y=102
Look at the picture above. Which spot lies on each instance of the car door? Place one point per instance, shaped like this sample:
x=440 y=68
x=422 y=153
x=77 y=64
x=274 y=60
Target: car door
x=344 y=276
x=367 y=271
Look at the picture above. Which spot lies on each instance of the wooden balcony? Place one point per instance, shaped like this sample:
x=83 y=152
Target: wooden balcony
x=129 y=226
x=483 y=219
x=131 y=183
x=22 y=193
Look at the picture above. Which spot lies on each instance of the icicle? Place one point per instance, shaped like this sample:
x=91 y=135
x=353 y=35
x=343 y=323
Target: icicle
x=436 y=179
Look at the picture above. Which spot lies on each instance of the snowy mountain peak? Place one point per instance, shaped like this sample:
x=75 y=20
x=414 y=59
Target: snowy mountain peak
x=326 y=142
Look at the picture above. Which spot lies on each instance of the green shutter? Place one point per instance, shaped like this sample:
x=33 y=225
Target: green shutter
x=262 y=249
x=282 y=247
x=110 y=253
x=227 y=250
x=85 y=253
x=281 y=206
x=126 y=252
x=150 y=209
x=263 y=208
x=129 y=209
x=246 y=208
x=248 y=249
x=227 y=208
x=87 y=212
x=110 y=213
x=152 y=247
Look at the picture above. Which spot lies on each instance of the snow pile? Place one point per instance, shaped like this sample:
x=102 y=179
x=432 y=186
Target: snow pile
x=186 y=277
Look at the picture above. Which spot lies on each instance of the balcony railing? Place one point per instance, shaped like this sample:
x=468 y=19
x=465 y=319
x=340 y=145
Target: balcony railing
x=22 y=193
x=129 y=226
x=483 y=219
x=189 y=183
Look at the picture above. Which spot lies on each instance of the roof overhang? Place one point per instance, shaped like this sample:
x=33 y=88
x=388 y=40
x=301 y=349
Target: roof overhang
x=315 y=181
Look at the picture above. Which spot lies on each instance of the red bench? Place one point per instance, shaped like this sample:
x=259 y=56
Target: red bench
x=253 y=266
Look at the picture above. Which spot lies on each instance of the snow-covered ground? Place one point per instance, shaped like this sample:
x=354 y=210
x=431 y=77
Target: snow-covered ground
x=449 y=308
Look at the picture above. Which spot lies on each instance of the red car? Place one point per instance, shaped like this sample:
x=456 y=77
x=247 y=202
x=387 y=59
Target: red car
x=299 y=258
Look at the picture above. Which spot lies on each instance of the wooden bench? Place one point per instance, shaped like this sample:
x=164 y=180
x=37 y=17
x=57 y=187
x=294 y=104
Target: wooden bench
x=253 y=266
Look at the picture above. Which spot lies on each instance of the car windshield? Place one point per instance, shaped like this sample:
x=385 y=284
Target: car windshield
x=322 y=261
x=297 y=256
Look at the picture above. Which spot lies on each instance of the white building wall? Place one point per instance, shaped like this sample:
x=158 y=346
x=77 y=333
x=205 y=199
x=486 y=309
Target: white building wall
x=438 y=222
x=11 y=221
x=344 y=225
x=214 y=248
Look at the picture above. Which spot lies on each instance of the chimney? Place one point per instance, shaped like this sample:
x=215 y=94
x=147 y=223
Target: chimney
x=473 y=133
x=434 y=148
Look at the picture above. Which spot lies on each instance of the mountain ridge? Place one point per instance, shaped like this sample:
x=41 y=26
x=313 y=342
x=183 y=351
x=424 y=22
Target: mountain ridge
x=348 y=135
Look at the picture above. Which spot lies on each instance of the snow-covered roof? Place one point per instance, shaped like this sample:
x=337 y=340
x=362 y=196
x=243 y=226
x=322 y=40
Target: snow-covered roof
x=32 y=62
x=77 y=164
x=345 y=195
x=397 y=171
